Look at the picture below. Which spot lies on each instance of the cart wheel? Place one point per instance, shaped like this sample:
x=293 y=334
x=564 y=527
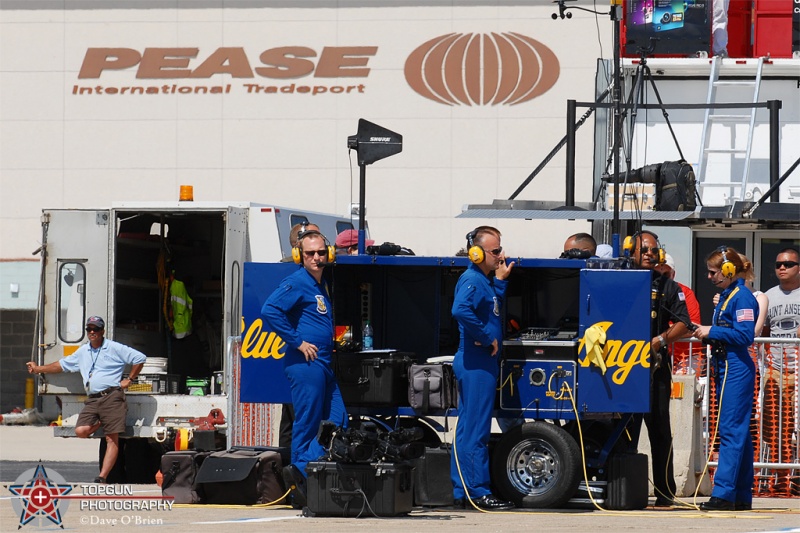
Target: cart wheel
x=536 y=465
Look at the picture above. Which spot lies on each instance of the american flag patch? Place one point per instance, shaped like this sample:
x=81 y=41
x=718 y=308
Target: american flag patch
x=744 y=315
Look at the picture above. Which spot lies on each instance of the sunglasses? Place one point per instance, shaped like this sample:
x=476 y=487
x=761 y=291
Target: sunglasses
x=496 y=251
x=312 y=253
x=93 y=330
x=787 y=264
x=649 y=250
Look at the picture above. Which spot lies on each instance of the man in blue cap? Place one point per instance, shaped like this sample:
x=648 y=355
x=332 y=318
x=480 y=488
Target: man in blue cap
x=101 y=363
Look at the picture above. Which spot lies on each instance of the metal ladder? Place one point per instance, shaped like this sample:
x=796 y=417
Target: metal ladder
x=710 y=118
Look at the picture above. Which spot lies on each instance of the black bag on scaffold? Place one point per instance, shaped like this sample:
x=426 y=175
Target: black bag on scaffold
x=676 y=187
x=431 y=386
x=179 y=471
x=242 y=477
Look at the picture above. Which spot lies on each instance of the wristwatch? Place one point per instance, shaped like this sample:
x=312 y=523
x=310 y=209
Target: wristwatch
x=661 y=340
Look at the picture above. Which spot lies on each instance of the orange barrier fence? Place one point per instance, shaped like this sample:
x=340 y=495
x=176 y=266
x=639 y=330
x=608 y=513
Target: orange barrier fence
x=774 y=421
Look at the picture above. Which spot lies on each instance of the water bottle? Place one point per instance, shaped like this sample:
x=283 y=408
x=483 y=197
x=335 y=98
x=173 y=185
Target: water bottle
x=368 y=339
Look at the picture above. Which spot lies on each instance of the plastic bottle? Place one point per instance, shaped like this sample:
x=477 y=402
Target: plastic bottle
x=368 y=336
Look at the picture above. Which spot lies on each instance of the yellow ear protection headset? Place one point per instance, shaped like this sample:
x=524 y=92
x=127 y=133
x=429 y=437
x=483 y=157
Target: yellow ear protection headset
x=728 y=269
x=474 y=251
x=297 y=251
x=629 y=245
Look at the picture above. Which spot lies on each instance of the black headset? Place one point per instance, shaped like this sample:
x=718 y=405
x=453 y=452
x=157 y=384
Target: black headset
x=629 y=245
x=474 y=251
x=728 y=269
x=297 y=251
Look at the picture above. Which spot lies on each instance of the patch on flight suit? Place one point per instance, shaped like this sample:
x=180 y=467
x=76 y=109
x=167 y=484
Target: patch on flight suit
x=321 y=307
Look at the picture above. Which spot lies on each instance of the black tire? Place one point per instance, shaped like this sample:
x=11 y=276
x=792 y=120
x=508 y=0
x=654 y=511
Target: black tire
x=536 y=465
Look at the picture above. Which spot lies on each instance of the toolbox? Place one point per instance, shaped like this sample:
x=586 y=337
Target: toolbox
x=373 y=378
x=357 y=489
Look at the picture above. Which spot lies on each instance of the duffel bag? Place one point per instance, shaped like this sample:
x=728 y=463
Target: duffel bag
x=179 y=475
x=431 y=386
x=242 y=477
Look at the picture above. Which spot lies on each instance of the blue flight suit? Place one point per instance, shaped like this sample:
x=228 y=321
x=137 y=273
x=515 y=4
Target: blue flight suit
x=476 y=308
x=733 y=326
x=300 y=310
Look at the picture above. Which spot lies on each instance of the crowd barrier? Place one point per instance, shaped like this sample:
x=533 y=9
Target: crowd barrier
x=774 y=421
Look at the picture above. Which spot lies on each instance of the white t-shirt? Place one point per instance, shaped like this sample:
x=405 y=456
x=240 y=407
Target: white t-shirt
x=783 y=315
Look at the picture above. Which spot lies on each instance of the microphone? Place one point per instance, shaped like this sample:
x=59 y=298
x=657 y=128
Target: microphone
x=646 y=174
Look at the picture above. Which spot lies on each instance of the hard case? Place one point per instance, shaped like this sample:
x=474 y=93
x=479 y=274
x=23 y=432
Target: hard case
x=432 y=484
x=627 y=481
x=373 y=378
x=344 y=489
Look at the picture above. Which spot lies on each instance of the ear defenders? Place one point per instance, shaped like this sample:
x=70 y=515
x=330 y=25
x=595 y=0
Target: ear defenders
x=474 y=251
x=297 y=251
x=629 y=245
x=728 y=269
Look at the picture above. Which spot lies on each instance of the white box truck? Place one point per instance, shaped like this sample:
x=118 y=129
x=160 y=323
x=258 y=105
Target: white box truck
x=116 y=262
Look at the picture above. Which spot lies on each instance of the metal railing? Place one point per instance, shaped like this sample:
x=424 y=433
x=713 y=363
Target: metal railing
x=774 y=420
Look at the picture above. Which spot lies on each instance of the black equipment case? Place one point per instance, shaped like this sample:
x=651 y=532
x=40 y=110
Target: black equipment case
x=242 y=476
x=357 y=489
x=627 y=481
x=179 y=471
x=373 y=378
x=432 y=484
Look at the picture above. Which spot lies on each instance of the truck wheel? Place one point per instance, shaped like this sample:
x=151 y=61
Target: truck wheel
x=536 y=465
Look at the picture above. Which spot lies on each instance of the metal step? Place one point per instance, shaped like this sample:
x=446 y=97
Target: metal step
x=729 y=117
x=725 y=150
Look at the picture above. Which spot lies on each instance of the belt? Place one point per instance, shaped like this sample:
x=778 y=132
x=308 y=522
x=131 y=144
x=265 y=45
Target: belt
x=105 y=392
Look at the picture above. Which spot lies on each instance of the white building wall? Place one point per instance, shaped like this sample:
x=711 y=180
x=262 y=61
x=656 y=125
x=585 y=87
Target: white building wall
x=58 y=149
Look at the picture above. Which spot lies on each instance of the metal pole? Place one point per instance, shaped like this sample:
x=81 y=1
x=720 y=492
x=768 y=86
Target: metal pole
x=570 y=200
x=774 y=146
x=616 y=14
x=362 y=199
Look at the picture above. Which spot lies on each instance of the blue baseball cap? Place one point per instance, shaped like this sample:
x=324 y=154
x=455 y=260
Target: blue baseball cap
x=96 y=321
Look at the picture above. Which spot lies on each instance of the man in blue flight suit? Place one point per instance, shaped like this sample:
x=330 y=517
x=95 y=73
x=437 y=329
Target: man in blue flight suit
x=300 y=311
x=731 y=334
x=477 y=309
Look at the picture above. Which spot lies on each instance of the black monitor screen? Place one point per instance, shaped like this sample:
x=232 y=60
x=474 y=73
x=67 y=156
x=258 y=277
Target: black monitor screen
x=669 y=26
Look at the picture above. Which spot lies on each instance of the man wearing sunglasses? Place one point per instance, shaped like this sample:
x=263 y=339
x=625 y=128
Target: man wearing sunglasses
x=300 y=311
x=101 y=363
x=783 y=321
x=668 y=305
x=287 y=409
x=477 y=307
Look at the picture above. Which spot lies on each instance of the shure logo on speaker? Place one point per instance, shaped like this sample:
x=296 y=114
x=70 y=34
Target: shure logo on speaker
x=482 y=69
x=380 y=139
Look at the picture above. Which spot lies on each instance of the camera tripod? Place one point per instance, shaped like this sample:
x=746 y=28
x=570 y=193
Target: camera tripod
x=634 y=101
x=636 y=98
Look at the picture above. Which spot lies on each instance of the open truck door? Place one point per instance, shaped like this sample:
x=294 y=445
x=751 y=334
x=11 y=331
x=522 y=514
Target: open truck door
x=74 y=286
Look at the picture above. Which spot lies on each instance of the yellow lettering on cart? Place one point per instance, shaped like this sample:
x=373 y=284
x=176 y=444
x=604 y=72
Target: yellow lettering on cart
x=262 y=344
x=621 y=358
x=624 y=358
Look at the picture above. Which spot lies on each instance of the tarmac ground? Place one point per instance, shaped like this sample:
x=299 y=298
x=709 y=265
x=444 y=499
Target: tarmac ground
x=23 y=448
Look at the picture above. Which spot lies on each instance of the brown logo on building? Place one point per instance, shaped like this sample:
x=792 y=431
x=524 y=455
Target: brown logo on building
x=482 y=69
